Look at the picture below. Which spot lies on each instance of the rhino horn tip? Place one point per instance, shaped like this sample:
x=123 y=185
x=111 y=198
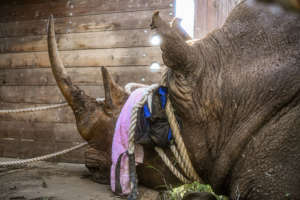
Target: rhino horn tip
x=103 y=69
x=156 y=13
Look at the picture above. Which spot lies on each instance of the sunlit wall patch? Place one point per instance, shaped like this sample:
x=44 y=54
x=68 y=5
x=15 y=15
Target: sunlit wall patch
x=185 y=9
x=155 y=67
x=155 y=40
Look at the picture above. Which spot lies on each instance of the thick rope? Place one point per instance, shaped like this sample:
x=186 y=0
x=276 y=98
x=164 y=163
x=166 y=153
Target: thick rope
x=178 y=157
x=40 y=108
x=181 y=155
x=40 y=158
x=169 y=164
x=188 y=167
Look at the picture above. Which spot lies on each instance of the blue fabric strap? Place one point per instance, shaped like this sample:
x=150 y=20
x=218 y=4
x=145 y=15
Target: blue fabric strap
x=170 y=135
x=162 y=91
x=147 y=112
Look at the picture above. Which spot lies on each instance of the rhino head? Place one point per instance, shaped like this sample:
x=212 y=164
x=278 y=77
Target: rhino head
x=96 y=121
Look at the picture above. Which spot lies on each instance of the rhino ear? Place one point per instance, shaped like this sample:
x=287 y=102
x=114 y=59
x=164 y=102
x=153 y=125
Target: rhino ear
x=175 y=25
x=114 y=93
x=176 y=53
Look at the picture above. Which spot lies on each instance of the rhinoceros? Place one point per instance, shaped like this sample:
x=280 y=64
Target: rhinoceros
x=237 y=92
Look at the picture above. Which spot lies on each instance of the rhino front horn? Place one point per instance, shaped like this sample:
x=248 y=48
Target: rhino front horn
x=75 y=97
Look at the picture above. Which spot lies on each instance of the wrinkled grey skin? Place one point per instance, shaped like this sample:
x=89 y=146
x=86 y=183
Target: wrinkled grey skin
x=292 y=5
x=238 y=92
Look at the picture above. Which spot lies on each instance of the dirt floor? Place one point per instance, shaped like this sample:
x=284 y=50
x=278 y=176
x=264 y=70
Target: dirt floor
x=61 y=181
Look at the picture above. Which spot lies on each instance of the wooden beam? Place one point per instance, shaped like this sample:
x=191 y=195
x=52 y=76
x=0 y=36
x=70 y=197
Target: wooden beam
x=66 y=8
x=25 y=139
x=76 y=156
x=200 y=18
x=10 y=148
x=61 y=115
x=39 y=131
x=84 y=58
x=79 y=76
x=82 y=24
x=79 y=41
x=41 y=94
x=211 y=14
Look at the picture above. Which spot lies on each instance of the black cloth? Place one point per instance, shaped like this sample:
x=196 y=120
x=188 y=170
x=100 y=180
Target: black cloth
x=153 y=130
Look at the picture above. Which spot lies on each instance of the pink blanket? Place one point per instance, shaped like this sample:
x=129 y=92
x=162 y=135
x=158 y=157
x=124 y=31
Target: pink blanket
x=120 y=143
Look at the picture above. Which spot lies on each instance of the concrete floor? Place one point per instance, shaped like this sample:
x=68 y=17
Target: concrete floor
x=56 y=181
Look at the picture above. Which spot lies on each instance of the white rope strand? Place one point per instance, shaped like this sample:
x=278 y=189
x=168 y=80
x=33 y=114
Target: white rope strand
x=133 y=117
x=33 y=109
x=128 y=87
x=188 y=166
x=40 y=158
x=181 y=152
x=40 y=108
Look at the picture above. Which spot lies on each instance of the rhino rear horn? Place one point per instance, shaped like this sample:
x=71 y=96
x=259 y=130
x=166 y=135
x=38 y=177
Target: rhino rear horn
x=114 y=93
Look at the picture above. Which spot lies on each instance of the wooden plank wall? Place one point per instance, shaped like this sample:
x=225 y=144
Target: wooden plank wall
x=211 y=14
x=90 y=34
